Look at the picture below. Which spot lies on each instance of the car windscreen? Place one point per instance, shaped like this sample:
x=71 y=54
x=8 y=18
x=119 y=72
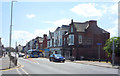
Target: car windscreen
x=58 y=55
x=35 y=53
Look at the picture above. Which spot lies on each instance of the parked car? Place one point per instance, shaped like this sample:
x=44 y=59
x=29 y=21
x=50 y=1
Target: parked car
x=57 y=57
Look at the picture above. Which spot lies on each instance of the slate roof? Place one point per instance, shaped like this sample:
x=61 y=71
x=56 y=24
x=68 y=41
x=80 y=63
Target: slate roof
x=57 y=28
x=80 y=27
x=102 y=30
x=64 y=27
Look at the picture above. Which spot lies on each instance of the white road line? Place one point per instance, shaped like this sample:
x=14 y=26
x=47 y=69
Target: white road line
x=24 y=71
x=19 y=72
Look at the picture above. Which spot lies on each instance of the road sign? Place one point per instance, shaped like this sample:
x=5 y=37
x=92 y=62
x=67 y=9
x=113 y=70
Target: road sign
x=99 y=43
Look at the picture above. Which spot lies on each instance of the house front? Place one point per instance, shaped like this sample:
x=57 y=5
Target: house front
x=85 y=41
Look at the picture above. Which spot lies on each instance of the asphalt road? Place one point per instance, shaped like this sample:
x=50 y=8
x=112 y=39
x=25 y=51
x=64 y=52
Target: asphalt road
x=44 y=66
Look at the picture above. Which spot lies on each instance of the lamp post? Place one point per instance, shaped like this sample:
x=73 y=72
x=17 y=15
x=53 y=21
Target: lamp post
x=11 y=23
x=113 y=53
x=11 y=30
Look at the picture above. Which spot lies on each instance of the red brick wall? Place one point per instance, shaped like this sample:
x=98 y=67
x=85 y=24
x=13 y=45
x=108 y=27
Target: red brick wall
x=94 y=33
x=45 y=41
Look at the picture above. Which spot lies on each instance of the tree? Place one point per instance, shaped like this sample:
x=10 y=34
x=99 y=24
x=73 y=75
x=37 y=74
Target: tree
x=109 y=43
x=10 y=49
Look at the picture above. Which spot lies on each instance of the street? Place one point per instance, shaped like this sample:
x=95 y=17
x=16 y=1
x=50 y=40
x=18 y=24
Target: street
x=44 y=66
x=82 y=35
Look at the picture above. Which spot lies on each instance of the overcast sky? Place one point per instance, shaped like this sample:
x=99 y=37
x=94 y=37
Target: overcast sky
x=31 y=19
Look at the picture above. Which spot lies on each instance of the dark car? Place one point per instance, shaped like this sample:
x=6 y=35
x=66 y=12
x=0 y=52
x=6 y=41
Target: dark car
x=21 y=55
x=57 y=57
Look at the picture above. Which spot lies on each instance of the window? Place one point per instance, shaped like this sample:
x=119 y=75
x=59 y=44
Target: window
x=41 y=46
x=48 y=43
x=60 y=41
x=67 y=40
x=64 y=41
x=71 y=39
x=71 y=28
x=80 y=39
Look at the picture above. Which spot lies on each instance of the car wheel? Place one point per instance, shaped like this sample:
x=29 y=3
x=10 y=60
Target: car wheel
x=50 y=59
x=53 y=59
x=63 y=61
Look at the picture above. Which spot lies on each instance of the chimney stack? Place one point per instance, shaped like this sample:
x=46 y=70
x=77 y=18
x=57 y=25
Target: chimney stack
x=45 y=36
x=93 y=23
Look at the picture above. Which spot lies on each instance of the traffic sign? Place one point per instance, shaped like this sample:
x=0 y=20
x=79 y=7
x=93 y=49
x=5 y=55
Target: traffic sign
x=99 y=43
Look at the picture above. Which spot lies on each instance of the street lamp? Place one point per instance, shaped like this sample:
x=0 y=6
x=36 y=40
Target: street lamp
x=113 y=53
x=11 y=23
x=11 y=29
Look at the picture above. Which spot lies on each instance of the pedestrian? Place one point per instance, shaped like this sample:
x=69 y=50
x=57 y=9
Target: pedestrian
x=4 y=54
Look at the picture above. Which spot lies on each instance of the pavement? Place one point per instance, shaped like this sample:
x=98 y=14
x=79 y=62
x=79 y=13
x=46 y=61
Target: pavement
x=5 y=62
x=97 y=63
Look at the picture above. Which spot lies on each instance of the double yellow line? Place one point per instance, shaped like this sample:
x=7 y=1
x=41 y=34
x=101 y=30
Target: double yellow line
x=17 y=67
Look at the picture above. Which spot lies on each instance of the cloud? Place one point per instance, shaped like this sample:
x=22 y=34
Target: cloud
x=115 y=0
x=94 y=10
x=60 y=22
x=114 y=8
x=22 y=37
x=30 y=16
x=87 y=10
x=114 y=30
x=40 y=32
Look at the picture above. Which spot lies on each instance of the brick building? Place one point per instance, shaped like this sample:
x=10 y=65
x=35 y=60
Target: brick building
x=38 y=43
x=44 y=41
x=55 y=39
x=85 y=40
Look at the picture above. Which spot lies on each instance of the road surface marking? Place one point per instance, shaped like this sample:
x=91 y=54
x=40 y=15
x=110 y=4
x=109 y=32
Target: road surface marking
x=24 y=71
x=30 y=59
x=37 y=62
x=13 y=68
x=19 y=72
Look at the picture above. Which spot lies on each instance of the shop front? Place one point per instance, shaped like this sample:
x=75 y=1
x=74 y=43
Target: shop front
x=56 y=50
x=41 y=53
x=46 y=52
